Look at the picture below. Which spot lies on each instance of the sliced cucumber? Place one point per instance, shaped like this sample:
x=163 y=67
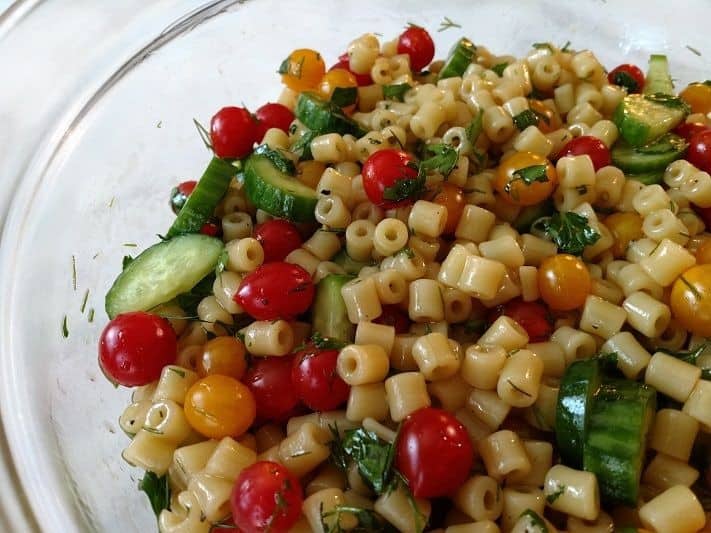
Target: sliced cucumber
x=650 y=158
x=578 y=388
x=658 y=80
x=323 y=117
x=201 y=203
x=162 y=272
x=277 y=193
x=330 y=317
x=350 y=265
x=615 y=447
x=460 y=57
x=642 y=119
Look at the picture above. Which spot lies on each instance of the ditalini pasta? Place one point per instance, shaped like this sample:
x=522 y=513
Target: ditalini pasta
x=462 y=295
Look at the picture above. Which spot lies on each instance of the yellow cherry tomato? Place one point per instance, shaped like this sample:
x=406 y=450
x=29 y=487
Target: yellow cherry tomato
x=625 y=227
x=691 y=300
x=698 y=96
x=564 y=282
x=302 y=70
x=337 y=77
x=550 y=120
x=224 y=356
x=220 y=406
x=520 y=181
x=703 y=252
x=451 y=198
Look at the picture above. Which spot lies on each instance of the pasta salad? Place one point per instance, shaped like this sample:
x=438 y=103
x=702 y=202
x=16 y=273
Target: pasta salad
x=468 y=295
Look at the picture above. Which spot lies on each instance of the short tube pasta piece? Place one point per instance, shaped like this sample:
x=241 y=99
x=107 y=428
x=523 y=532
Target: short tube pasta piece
x=552 y=355
x=646 y=314
x=676 y=509
x=391 y=286
x=320 y=511
x=601 y=317
x=673 y=433
x=698 y=404
x=323 y=244
x=362 y=364
x=488 y=407
x=504 y=250
x=475 y=223
x=575 y=171
x=520 y=378
x=372 y=333
x=264 y=337
x=427 y=218
x=664 y=472
x=304 y=259
x=667 y=261
x=505 y=332
x=451 y=393
x=518 y=501
x=361 y=299
x=632 y=357
x=305 y=449
x=685 y=376
x=482 y=365
x=402 y=510
x=367 y=401
x=425 y=301
x=434 y=357
x=480 y=498
x=576 y=344
x=540 y=453
x=244 y=255
x=573 y=492
x=390 y=236
x=406 y=393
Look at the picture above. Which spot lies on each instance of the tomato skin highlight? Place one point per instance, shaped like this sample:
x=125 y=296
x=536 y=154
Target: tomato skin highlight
x=591 y=146
x=699 y=153
x=315 y=380
x=434 y=453
x=382 y=170
x=276 y=290
x=416 y=43
x=278 y=238
x=233 y=132
x=633 y=72
x=219 y=406
x=269 y=379
x=272 y=115
x=134 y=347
x=690 y=300
x=266 y=497
x=531 y=316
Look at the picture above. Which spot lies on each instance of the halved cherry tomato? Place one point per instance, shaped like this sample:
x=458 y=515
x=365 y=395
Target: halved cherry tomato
x=273 y=115
x=689 y=129
x=451 y=198
x=266 y=497
x=278 y=238
x=392 y=315
x=691 y=300
x=564 y=282
x=517 y=186
x=434 y=453
x=302 y=70
x=219 y=406
x=628 y=76
x=276 y=290
x=416 y=43
x=233 y=132
x=549 y=119
x=698 y=96
x=625 y=228
x=315 y=380
x=334 y=78
x=390 y=178
x=344 y=63
x=134 y=348
x=223 y=355
x=699 y=153
x=269 y=379
x=590 y=146
x=179 y=195
x=531 y=316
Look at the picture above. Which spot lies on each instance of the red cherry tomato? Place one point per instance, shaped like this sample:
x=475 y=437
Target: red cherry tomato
x=384 y=172
x=233 y=132
x=134 y=348
x=699 y=153
x=273 y=115
x=269 y=379
x=179 y=195
x=315 y=380
x=689 y=129
x=344 y=63
x=591 y=146
x=278 y=238
x=392 y=315
x=211 y=228
x=434 y=453
x=276 y=290
x=266 y=497
x=417 y=43
x=531 y=316
x=629 y=76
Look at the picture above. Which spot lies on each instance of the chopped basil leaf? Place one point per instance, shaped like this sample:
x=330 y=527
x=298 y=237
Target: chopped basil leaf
x=532 y=174
x=689 y=356
x=499 y=68
x=158 y=491
x=668 y=100
x=535 y=522
x=570 y=232
x=396 y=92
x=127 y=260
x=525 y=118
x=302 y=146
x=325 y=343
x=624 y=79
x=443 y=159
x=539 y=46
x=473 y=129
x=277 y=158
x=344 y=96
x=405 y=188
x=373 y=456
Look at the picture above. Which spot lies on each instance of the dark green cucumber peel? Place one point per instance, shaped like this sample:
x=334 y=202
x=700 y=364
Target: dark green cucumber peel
x=277 y=193
x=162 y=272
x=201 y=203
x=651 y=158
x=330 y=317
x=642 y=119
x=323 y=117
x=460 y=57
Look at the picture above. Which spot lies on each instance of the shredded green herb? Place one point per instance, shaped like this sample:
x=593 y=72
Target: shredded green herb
x=540 y=46
x=405 y=188
x=344 y=96
x=74 y=272
x=693 y=289
x=130 y=245
x=473 y=129
x=555 y=495
x=178 y=371
x=624 y=79
x=570 y=232
x=204 y=134
x=83 y=302
x=127 y=260
x=189 y=301
x=373 y=456
x=396 y=92
x=535 y=521
x=693 y=50
x=158 y=491
x=448 y=23
x=442 y=158
x=566 y=47
x=525 y=118
x=65 y=327
x=688 y=356
x=325 y=343
x=90 y=315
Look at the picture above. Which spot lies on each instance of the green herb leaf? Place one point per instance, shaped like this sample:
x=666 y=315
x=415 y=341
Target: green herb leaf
x=344 y=96
x=499 y=68
x=473 y=129
x=373 y=456
x=693 y=50
x=405 y=188
x=396 y=92
x=688 y=356
x=528 y=175
x=277 y=158
x=555 y=495
x=525 y=118
x=443 y=159
x=158 y=491
x=127 y=259
x=65 y=327
x=535 y=521
x=302 y=146
x=407 y=251
x=222 y=262
x=624 y=79
x=368 y=520
x=448 y=23
x=566 y=47
x=539 y=46
x=325 y=343
x=668 y=100
x=570 y=232
x=189 y=301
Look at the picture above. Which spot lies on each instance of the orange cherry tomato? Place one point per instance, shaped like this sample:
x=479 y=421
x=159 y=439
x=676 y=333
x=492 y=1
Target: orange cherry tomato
x=703 y=252
x=302 y=70
x=519 y=184
x=564 y=282
x=549 y=119
x=451 y=198
x=220 y=406
x=691 y=300
x=338 y=77
x=625 y=227
x=224 y=356
x=698 y=96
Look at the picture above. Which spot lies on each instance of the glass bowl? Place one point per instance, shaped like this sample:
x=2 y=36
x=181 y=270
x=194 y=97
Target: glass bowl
x=101 y=113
